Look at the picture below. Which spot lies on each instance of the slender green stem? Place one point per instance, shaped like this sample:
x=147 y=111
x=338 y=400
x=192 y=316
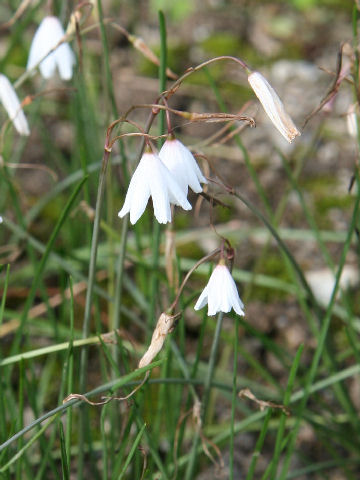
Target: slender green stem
x=286 y=402
x=120 y=272
x=109 y=82
x=259 y=445
x=234 y=396
x=206 y=396
x=70 y=376
x=88 y=303
x=156 y=226
x=132 y=451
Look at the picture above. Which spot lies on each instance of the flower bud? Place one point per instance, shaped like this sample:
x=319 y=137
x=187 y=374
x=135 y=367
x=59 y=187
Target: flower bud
x=273 y=106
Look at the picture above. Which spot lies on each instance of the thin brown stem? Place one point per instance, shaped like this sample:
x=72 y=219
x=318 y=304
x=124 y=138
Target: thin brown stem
x=187 y=276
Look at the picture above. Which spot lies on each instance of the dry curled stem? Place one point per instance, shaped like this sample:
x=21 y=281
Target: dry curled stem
x=247 y=393
x=105 y=400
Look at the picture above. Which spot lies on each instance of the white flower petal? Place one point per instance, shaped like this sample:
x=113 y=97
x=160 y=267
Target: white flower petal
x=9 y=99
x=182 y=164
x=202 y=300
x=273 y=106
x=65 y=60
x=47 y=36
x=47 y=67
x=159 y=192
x=220 y=293
x=152 y=178
x=138 y=193
x=176 y=193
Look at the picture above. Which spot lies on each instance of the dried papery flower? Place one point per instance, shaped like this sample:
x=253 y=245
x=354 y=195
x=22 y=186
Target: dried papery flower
x=164 y=326
x=152 y=178
x=11 y=103
x=47 y=36
x=273 y=106
x=220 y=294
x=182 y=164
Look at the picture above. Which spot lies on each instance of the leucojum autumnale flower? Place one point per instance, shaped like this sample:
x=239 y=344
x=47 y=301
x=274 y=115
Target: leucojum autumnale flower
x=220 y=294
x=49 y=33
x=152 y=178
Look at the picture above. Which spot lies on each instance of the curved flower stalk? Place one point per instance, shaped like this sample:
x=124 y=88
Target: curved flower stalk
x=220 y=294
x=11 y=103
x=273 y=106
x=182 y=164
x=152 y=178
x=49 y=33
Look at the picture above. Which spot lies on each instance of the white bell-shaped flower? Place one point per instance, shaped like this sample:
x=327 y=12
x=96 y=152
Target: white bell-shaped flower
x=182 y=164
x=47 y=36
x=273 y=106
x=11 y=103
x=152 y=178
x=220 y=294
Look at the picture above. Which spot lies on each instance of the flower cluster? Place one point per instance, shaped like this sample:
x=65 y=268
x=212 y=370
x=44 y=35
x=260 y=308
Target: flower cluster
x=166 y=178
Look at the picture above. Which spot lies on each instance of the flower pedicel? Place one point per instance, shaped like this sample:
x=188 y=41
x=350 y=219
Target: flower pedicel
x=152 y=178
x=46 y=37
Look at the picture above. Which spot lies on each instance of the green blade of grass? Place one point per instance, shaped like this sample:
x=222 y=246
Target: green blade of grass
x=132 y=451
x=64 y=456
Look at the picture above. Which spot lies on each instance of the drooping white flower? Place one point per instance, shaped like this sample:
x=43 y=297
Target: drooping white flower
x=182 y=164
x=273 y=106
x=47 y=36
x=220 y=293
x=10 y=100
x=152 y=178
